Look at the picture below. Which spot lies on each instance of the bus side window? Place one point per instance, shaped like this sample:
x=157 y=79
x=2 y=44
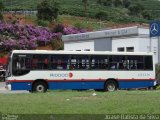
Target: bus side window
x=34 y=63
x=59 y=62
x=121 y=66
x=148 y=63
x=40 y=62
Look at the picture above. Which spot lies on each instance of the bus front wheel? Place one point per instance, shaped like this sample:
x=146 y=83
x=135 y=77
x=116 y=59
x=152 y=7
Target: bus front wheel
x=40 y=87
x=110 y=86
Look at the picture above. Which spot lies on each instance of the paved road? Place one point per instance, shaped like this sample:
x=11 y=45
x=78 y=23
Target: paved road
x=3 y=90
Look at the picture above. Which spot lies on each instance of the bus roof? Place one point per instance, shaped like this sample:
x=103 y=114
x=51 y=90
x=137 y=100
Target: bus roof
x=79 y=52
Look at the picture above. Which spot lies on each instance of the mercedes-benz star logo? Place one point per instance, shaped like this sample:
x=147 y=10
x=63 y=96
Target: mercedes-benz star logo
x=154 y=28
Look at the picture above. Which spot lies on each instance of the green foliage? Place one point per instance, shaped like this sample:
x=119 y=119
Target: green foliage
x=107 y=3
x=117 y=3
x=102 y=15
x=58 y=28
x=158 y=71
x=99 y=2
x=57 y=44
x=85 y=4
x=42 y=23
x=48 y=10
x=1 y=8
x=136 y=9
x=158 y=87
x=126 y=3
x=79 y=25
x=146 y=15
x=76 y=8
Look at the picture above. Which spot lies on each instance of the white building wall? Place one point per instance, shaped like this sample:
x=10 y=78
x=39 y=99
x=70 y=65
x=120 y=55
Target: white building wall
x=139 y=39
x=154 y=48
x=139 y=44
x=143 y=31
x=144 y=45
x=125 y=42
x=73 y=46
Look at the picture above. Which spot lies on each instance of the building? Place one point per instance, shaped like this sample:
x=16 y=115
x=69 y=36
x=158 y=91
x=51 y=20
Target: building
x=129 y=39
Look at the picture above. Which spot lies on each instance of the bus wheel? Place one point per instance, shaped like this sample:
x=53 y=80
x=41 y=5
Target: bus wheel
x=40 y=87
x=110 y=86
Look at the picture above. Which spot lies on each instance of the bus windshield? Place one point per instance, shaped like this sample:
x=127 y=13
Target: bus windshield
x=8 y=66
x=20 y=65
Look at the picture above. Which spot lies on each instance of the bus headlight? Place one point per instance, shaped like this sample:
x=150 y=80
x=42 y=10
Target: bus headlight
x=155 y=83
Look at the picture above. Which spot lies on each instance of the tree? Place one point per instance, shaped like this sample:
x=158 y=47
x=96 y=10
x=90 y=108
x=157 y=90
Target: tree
x=1 y=8
x=48 y=10
x=99 y=2
x=146 y=15
x=85 y=2
x=126 y=3
x=107 y=3
x=136 y=9
x=117 y=3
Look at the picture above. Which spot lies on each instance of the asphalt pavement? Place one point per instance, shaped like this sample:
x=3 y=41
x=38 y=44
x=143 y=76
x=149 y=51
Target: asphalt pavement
x=3 y=90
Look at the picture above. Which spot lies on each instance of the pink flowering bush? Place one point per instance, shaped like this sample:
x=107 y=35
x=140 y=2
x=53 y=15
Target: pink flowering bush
x=16 y=36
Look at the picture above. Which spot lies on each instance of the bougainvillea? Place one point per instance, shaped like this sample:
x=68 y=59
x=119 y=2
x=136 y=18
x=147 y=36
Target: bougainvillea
x=16 y=36
x=72 y=30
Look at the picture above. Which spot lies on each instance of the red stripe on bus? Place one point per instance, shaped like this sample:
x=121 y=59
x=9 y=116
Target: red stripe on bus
x=133 y=79
x=82 y=80
x=20 y=81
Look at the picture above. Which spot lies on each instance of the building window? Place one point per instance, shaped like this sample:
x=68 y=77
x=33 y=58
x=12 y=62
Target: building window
x=86 y=49
x=121 y=49
x=130 y=49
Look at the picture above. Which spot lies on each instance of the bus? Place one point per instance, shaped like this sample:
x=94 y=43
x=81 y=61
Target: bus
x=42 y=70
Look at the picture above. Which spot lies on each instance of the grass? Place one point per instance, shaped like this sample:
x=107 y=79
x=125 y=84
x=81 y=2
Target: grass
x=83 y=22
x=74 y=102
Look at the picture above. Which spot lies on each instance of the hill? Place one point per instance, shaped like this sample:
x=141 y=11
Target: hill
x=76 y=8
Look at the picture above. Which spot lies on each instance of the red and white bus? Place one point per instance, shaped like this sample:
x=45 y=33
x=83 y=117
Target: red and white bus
x=42 y=70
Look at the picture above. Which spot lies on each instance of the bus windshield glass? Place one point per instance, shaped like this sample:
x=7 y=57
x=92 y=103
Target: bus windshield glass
x=20 y=65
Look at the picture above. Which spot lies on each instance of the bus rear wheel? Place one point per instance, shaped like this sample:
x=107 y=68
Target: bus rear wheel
x=111 y=86
x=39 y=87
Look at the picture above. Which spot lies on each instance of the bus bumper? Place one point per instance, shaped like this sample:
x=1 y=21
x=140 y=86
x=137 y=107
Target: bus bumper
x=18 y=85
x=155 y=83
x=8 y=86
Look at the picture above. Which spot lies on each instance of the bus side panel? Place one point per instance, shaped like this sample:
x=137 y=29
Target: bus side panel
x=21 y=86
x=64 y=85
x=76 y=85
x=135 y=84
x=93 y=85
